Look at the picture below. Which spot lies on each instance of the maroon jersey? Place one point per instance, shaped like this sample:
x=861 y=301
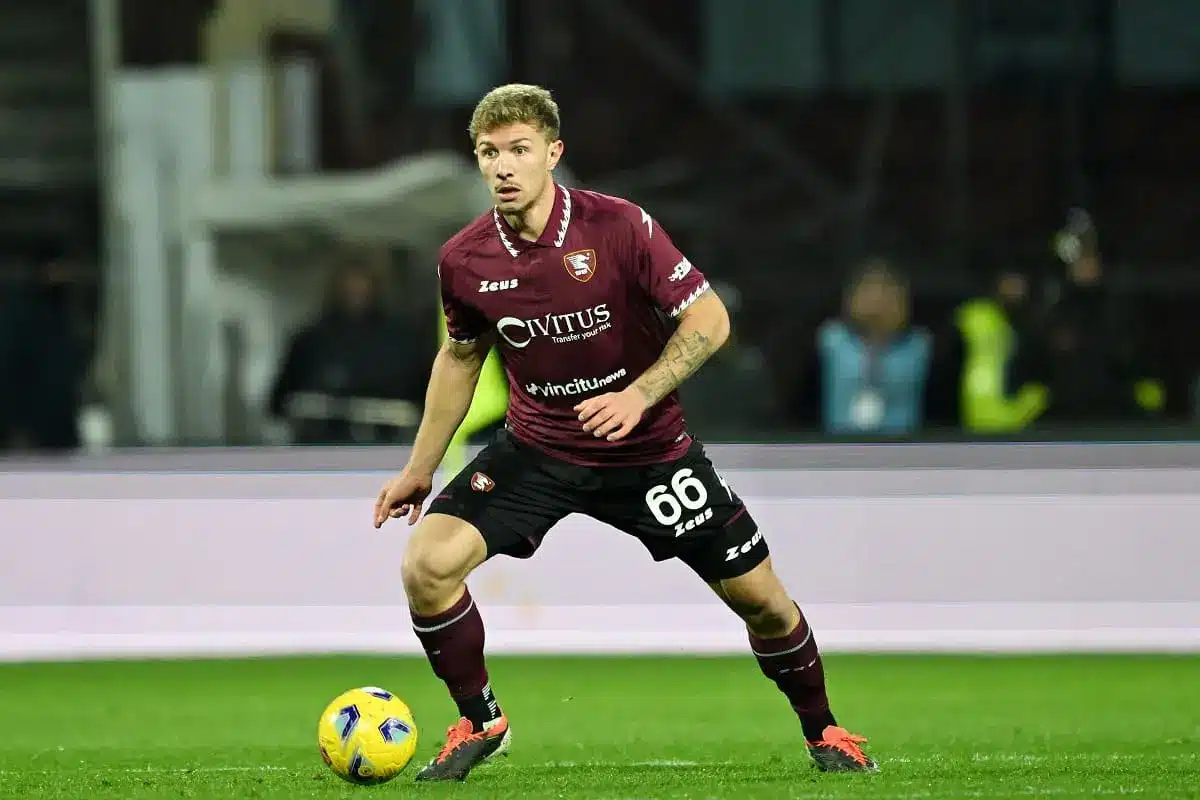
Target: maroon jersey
x=582 y=311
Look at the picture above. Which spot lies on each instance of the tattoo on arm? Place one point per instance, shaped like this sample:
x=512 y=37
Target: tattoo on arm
x=686 y=350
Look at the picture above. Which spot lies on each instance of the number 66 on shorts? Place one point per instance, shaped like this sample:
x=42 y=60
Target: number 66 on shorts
x=684 y=495
x=686 y=509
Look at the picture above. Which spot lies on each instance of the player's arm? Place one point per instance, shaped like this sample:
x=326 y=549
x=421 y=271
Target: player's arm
x=682 y=292
x=467 y=339
x=448 y=397
x=703 y=330
x=452 y=380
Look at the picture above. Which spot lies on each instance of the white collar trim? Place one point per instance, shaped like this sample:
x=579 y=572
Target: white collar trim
x=562 y=228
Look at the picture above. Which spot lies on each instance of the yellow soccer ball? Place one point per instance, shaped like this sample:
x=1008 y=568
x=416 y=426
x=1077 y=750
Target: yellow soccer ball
x=367 y=735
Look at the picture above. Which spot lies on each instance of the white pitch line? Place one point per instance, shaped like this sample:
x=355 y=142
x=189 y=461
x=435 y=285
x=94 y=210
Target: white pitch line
x=618 y=764
x=153 y=770
x=1037 y=758
x=1016 y=758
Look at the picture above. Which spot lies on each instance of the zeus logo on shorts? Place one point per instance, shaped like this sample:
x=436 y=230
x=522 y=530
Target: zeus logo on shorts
x=741 y=550
x=573 y=326
x=683 y=527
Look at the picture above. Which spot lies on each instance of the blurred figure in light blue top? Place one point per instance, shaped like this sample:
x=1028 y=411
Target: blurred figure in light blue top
x=873 y=365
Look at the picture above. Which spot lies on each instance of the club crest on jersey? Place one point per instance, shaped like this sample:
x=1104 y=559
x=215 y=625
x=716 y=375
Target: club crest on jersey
x=581 y=264
x=482 y=483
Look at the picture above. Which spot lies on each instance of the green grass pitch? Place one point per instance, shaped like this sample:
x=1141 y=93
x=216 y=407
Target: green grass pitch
x=940 y=726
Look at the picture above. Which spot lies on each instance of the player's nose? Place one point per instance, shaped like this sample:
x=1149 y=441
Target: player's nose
x=503 y=168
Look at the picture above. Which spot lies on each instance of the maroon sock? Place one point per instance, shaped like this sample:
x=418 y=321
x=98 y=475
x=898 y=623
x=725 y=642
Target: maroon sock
x=453 y=642
x=794 y=664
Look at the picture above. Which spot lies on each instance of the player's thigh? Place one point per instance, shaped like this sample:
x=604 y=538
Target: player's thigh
x=506 y=497
x=685 y=509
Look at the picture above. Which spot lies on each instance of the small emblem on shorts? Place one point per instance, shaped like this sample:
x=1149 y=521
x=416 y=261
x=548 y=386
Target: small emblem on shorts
x=581 y=264
x=482 y=483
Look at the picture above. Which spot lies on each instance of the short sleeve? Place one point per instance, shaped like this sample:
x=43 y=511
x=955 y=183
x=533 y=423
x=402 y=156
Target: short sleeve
x=464 y=324
x=664 y=272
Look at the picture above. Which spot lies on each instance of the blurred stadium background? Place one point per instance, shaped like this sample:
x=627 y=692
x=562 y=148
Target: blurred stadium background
x=187 y=176
x=218 y=228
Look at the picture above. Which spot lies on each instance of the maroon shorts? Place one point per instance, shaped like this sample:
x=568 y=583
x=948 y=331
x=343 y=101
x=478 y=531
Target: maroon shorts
x=681 y=509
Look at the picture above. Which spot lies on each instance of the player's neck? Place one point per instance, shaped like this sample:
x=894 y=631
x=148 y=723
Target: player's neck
x=530 y=223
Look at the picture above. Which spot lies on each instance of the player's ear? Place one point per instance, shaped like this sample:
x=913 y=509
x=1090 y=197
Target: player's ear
x=554 y=153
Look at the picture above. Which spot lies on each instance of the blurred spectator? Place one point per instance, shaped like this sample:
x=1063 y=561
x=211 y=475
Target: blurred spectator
x=357 y=374
x=993 y=331
x=43 y=360
x=1090 y=356
x=871 y=366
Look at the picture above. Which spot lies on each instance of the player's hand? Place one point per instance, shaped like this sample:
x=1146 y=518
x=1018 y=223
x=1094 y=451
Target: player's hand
x=403 y=495
x=613 y=415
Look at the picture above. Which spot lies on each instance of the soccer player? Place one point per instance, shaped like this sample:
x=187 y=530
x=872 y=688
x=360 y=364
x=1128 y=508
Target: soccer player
x=598 y=318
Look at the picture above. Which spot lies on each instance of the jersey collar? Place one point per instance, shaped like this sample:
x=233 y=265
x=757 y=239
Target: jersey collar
x=556 y=227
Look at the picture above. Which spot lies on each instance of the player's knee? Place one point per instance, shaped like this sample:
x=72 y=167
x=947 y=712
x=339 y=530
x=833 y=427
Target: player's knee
x=431 y=575
x=437 y=561
x=761 y=600
x=772 y=618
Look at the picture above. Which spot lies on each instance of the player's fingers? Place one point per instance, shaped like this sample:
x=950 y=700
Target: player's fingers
x=610 y=424
x=590 y=403
x=621 y=430
x=589 y=408
x=624 y=430
x=415 y=514
x=601 y=417
x=380 y=506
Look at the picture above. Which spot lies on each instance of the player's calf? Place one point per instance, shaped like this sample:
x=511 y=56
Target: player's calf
x=446 y=620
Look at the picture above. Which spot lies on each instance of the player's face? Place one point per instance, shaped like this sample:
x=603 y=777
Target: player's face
x=516 y=161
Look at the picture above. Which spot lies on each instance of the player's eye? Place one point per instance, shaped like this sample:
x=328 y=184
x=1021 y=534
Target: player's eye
x=520 y=149
x=489 y=153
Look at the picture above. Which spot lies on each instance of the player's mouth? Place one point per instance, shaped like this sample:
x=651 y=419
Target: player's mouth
x=507 y=193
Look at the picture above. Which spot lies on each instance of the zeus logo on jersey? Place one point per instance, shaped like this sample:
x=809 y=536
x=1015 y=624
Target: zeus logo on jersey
x=497 y=286
x=572 y=388
x=573 y=326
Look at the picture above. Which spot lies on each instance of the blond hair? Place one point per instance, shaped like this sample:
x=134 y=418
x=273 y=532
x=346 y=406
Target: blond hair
x=513 y=104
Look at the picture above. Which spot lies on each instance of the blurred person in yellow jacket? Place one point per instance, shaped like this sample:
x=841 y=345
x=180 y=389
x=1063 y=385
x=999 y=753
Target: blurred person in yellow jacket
x=992 y=335
x=488 y=407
